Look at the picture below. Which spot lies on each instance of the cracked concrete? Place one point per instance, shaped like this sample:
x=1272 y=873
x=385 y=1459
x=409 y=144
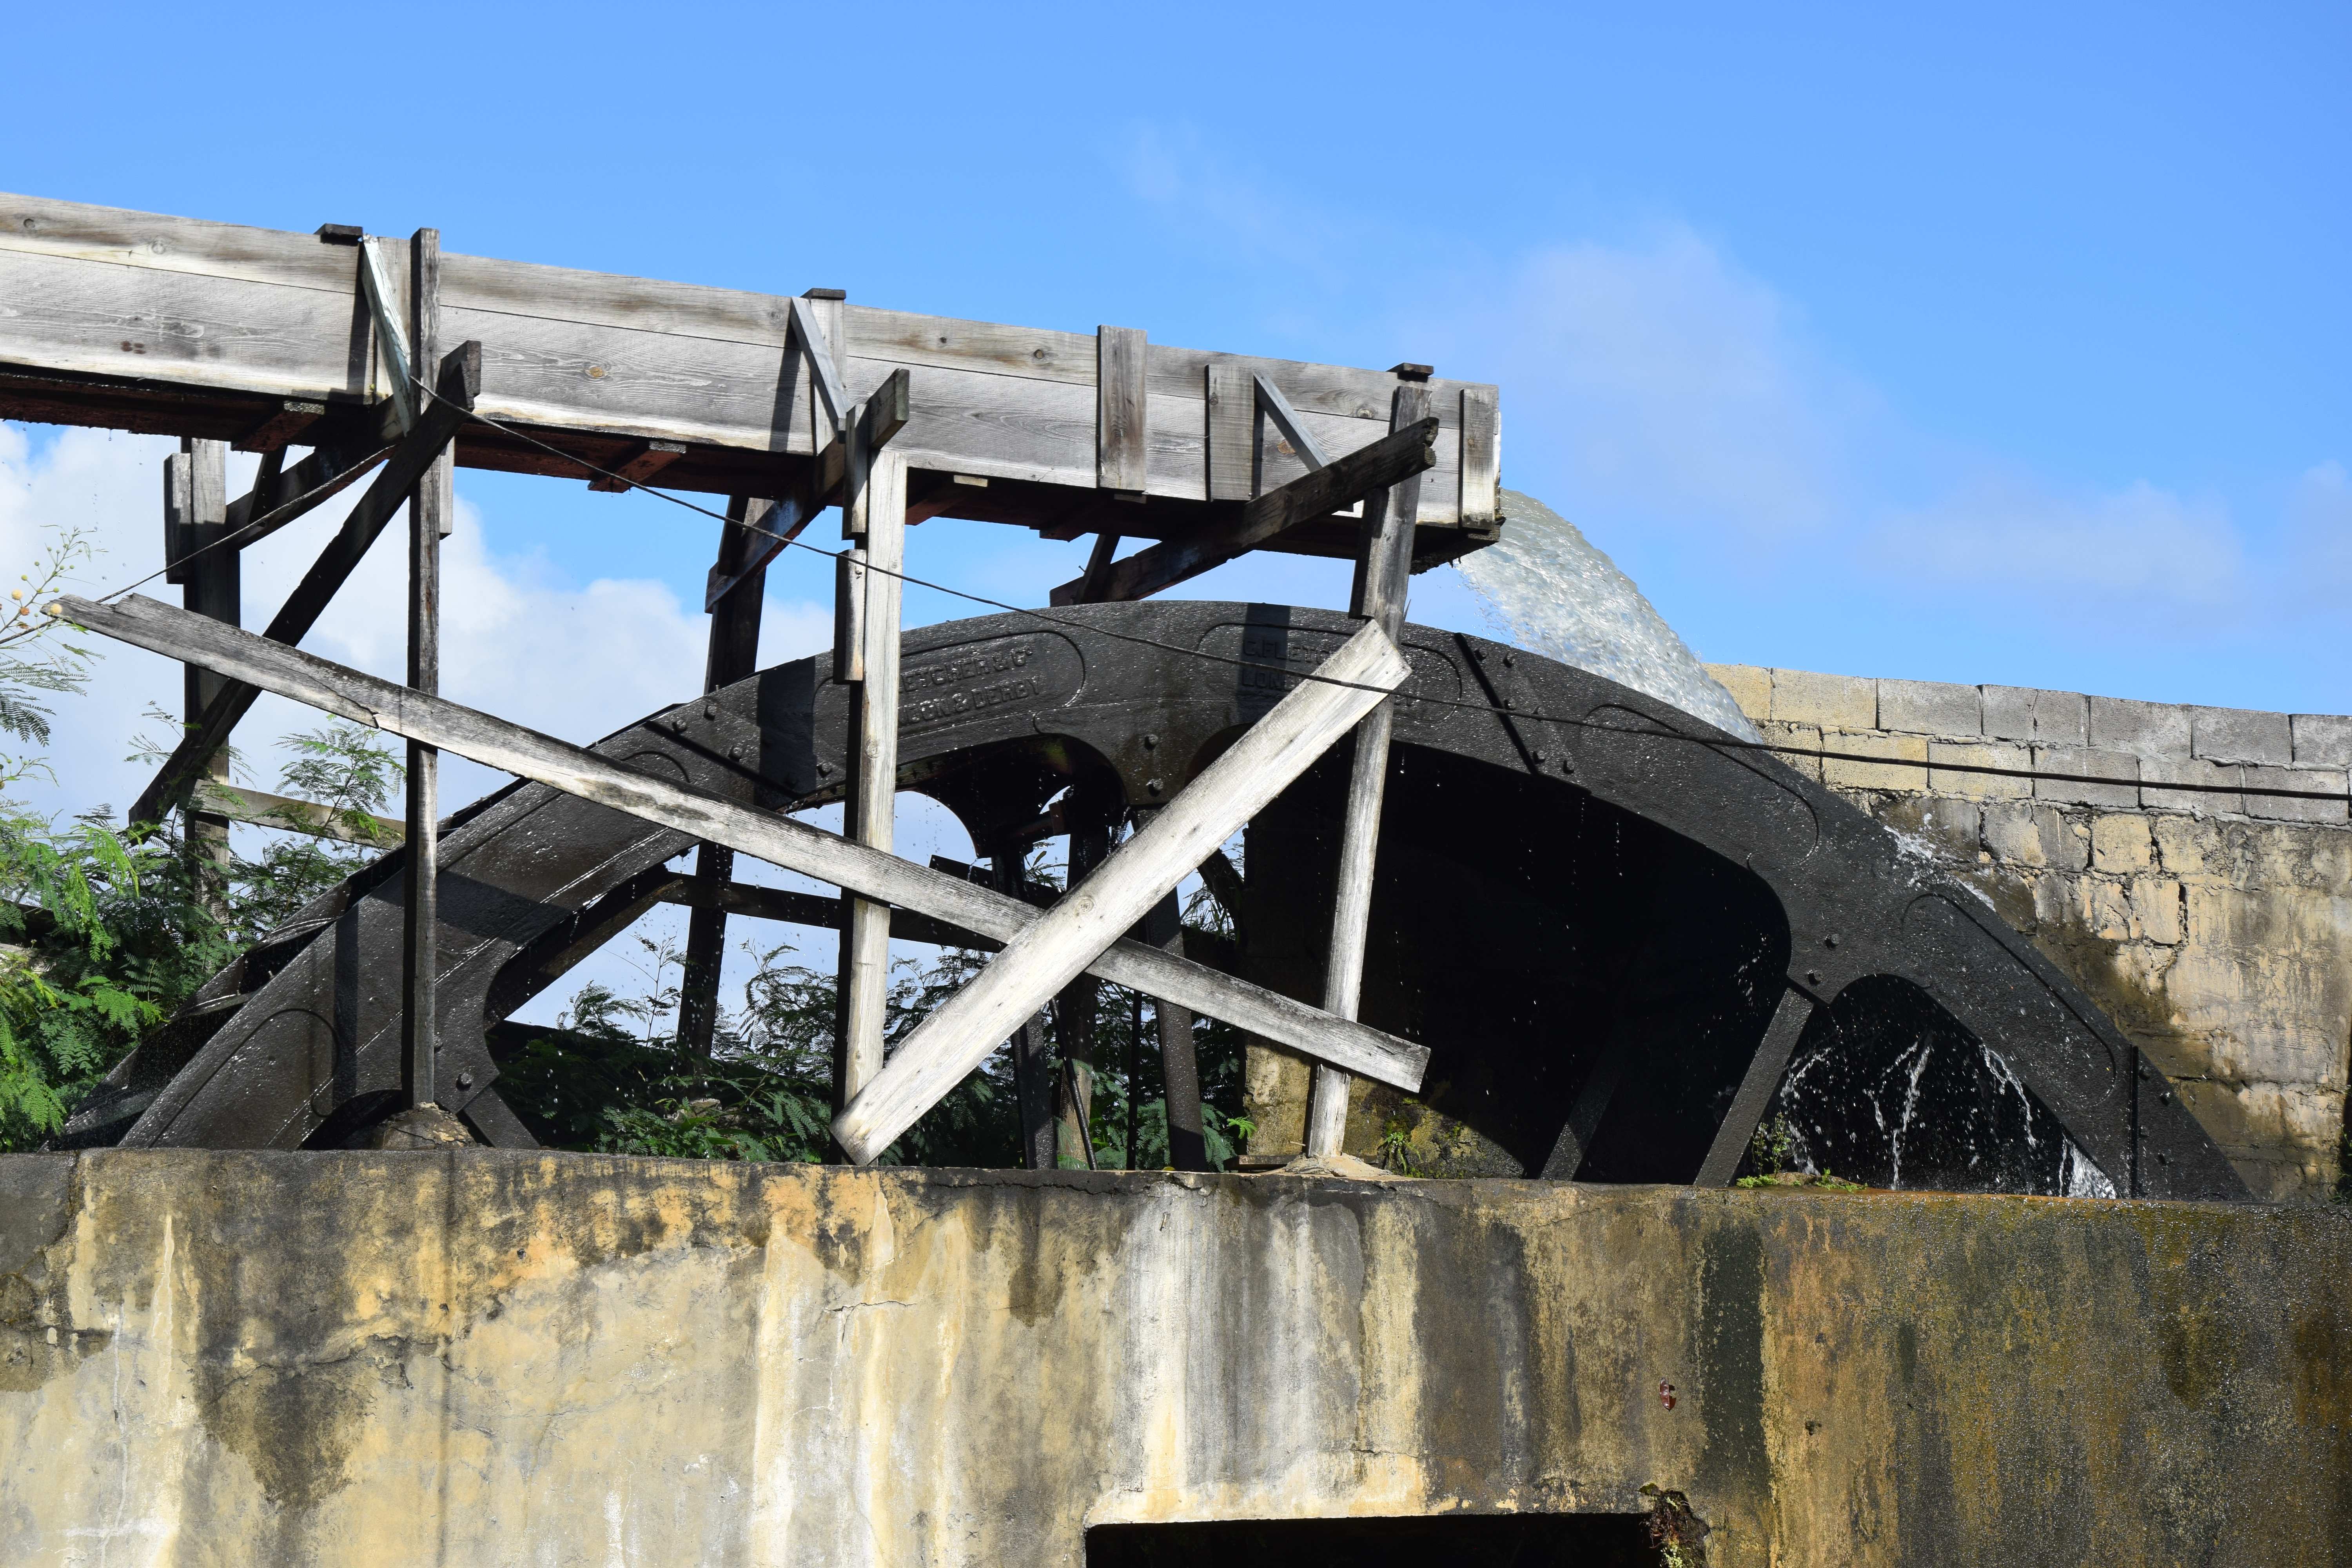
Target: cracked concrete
x=479 y=1355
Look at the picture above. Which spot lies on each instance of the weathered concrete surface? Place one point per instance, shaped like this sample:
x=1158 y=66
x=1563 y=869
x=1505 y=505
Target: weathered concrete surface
x=2215 y=929
x=477 y=1356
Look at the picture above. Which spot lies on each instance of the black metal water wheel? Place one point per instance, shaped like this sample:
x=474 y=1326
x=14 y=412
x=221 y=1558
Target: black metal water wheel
x=1556 y=900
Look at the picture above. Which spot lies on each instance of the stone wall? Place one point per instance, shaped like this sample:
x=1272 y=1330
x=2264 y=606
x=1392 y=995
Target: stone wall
x=486 y=1356
x=2215 y=928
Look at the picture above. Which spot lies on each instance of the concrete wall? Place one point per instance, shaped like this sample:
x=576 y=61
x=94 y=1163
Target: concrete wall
x=2215 y=929
x=480 y=1356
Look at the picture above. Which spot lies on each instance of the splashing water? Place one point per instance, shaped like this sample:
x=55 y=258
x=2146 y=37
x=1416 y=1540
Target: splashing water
x=1548 y=590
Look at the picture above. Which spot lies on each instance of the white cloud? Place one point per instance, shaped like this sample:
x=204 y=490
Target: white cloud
x=1671 y=385
x=2134 y=551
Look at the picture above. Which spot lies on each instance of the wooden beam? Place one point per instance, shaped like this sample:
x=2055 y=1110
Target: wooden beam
x=1384 y=571
x=461 y=378
x=768 y=835
x=1098 y=563
x=810 y=339
x=432 y=507
x=1055 y=951
x=284 y=427
x=1481 y=466
x=211 y=576
x=199 y=328
x=262 y=809
x=1179 y=1066
x=1276 y=407
x=876 y=505
x=1122 y=411
x=1313 y=495
x=1757 y=1086
x=391 y=340
x=1229 y=433
x=649 y=459
x=792 y=907
x=733 y=655
x=295 y=491
x=1033 y=1065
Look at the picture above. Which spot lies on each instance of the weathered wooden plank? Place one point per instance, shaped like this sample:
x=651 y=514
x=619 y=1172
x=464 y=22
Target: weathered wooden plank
x=1276 y=407
x=870 y=811
x=97 y=291
x=1122 y=415
x=383 y=306
x=778 y=839
x=1384 y=572
x=1049 y=954
x=1480 y=460
x=1229 y=431
x=1308 y=497
x=432 y=508
x=263 y=809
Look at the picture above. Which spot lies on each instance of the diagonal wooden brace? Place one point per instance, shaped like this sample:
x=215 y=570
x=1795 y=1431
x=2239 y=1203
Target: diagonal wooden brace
x=1058 y=947
x=461 y=380
x=881 y=417
x=1318 y=493
x=510 y=748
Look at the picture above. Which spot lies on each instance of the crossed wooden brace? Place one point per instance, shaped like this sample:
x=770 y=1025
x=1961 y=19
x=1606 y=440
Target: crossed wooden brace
x=1043 y=950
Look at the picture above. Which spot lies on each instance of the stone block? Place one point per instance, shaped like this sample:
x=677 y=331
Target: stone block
x=1910 y=749
x=2156 y=910
x=2121 y=843
x=2181 y=846
x=2106 y=908
x=2157 y=771
x=1750 y=686
x=2026 y=713
x=2279 y=808
x=2321 y=740
x=1929 y=708
x=2028 y=834
x=1983 y=754
x=2242 y=735
x=1953 y=828
x=1832 y=701
x=2143 y=729
x=2081 y=760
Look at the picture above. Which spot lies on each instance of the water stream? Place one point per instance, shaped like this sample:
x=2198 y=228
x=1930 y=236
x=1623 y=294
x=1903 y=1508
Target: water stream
x=1546 y=589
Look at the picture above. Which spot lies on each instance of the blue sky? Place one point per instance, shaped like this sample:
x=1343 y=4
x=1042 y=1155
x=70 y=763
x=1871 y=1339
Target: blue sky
x=1998 y=345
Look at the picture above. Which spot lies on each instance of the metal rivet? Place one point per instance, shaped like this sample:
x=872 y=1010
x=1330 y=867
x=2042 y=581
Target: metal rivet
x=1154 y=786
x=1151 y=742
x=1831 y=940
x=1539 y=759
x=735 y=753
x=1812 y=977
x=1507 y=661
x=2165 y=1099
x=464 y=1080
x=2162 y=1158
x=823 y=768
x=710 y=708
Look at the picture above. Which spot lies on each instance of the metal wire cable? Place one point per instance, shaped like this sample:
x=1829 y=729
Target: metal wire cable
x=1503 y=711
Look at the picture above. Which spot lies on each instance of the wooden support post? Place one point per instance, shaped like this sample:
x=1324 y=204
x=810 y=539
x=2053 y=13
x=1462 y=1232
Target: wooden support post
x=1757 y=1086
x=195 y=509
x=954 y=901
x=1032 y=1067
x=734 y=654
x=1079 y=1006
x=874 y=515
x=1384 y=571
x=1122 y=411
x=431 y=508
x=1065 y=939
x=1179 y=1069
x=461 y=378
x=1229 y=406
